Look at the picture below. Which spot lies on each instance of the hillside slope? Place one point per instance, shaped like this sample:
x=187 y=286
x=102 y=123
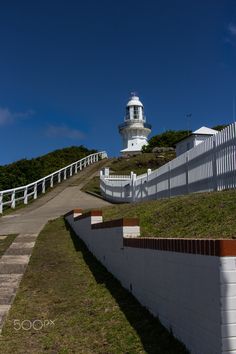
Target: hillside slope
x=205 y=215
x=25 y=171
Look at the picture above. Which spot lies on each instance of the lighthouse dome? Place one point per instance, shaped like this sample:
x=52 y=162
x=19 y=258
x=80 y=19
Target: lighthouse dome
x=134 y=101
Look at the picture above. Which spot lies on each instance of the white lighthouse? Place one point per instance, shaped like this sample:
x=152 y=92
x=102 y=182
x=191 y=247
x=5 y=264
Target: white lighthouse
x=134 y=130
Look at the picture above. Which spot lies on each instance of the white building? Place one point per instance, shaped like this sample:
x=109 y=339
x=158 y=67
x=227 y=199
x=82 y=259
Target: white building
x=134 y=130
x=194 y=139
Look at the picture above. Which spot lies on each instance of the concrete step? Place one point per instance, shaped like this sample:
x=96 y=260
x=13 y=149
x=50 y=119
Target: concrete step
x=6 y=299
x=10 y=279
x=26 y=238
x=20 y=248
x=18 y=251
x=14 y=259
x=20 y=244
x=13 y=264
x=4 y=309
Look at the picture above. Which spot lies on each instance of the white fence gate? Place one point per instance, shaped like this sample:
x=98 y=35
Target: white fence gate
x=210 y=166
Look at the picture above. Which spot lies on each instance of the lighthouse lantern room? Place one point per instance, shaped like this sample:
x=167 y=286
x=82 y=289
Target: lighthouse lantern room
x=134 y=130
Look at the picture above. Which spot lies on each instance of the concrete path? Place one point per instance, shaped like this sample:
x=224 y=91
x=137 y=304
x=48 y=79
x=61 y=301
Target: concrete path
x=29 y=221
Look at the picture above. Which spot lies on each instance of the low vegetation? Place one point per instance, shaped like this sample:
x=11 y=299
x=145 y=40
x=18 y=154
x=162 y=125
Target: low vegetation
x=25 y=171
x=205 y=215
x=90 y=310
x=140 y=163
x=167 y=139
x=170 y=137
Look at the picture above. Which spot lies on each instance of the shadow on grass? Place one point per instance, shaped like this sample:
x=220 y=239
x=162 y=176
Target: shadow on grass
x=154 y=337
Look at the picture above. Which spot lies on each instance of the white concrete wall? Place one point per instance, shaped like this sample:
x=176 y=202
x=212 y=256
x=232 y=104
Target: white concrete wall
x=185 y=145
x=193 y=295
x=228 y=304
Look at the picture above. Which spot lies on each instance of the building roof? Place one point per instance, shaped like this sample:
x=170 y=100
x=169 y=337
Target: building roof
x=205 y=131
x=201 y=131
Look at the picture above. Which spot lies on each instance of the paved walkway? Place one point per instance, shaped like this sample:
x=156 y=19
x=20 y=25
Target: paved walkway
x=29 y=221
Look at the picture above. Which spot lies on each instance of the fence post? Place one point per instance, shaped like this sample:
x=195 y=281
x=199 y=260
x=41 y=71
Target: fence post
x=1 y=201
x=106 y=171
x=64 y=173
x=35 y=191
x=187 y=185
x=76 y=168
x=51 y=181
x=13 y=199
x=149 y=171
x=43 y=186
x=70 y=170
x=133 y=184
x=59 y=177
x=169 y=184
x=26 y=195
x=214 y=167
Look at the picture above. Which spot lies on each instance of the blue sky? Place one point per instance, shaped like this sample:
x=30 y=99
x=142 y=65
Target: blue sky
x=67 y=68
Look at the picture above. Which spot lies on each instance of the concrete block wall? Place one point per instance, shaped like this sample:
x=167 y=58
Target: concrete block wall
x=189 y=284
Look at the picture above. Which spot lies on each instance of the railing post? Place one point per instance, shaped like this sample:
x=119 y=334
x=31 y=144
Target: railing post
x=35 y=191
x=51 y=181
x=186 y=163
x=1 y=203
x=13 y=199
x=169 y=184
x=59 y=177
x=80 y=166
x=70 y=170
x=26 y=195
x=133 y=184
x=214 y=167
x=76 y=168
x=64 y=173
x=43 y=186
x=149 y=171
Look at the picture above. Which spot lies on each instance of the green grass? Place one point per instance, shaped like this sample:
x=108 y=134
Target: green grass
x=4 y=244
x=140 y=163
x=93 y=186
x=92 y=312
x=205 y=215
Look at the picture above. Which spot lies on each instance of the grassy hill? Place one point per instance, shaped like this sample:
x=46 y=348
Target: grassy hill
x=25 y=171
x=205 y=215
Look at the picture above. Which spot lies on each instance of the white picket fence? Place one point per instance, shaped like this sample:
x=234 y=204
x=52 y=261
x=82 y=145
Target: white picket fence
x=210 y=166
x=22 y=194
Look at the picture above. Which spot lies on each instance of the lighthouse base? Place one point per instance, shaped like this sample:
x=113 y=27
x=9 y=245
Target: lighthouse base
x=127 y=152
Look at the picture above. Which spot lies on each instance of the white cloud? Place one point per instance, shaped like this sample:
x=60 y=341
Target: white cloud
x=58 y=131
x=8 y=117
x=232 y=29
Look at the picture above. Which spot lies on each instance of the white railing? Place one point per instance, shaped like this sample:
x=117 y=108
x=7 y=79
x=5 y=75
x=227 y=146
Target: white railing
x=210 y=166
x=115 y=177
x=22 y=194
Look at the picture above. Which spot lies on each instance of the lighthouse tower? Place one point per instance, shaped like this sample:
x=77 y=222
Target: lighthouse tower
x=134 y=130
